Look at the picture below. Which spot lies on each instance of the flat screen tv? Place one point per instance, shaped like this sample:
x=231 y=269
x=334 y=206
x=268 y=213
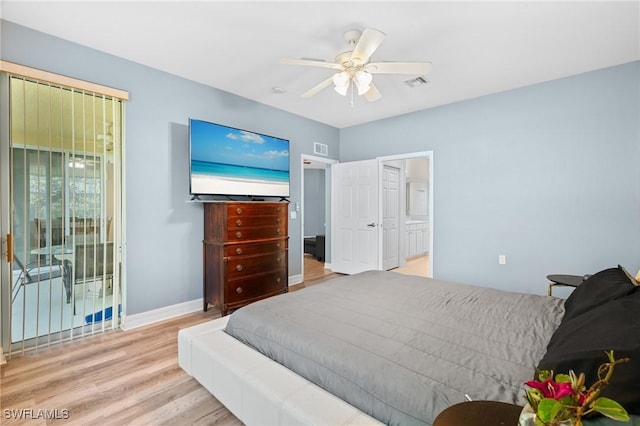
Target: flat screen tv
x=229 y=161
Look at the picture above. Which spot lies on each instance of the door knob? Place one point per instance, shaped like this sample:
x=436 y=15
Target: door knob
x=371 y=225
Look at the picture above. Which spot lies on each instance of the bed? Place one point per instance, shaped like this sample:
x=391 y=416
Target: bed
x=376 y=348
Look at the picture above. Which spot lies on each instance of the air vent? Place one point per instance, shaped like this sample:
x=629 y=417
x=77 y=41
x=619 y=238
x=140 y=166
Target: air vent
x=320 y=148
x=418 y=81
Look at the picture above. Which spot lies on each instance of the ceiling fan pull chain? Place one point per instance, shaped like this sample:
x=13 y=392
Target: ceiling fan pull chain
x=351 y=87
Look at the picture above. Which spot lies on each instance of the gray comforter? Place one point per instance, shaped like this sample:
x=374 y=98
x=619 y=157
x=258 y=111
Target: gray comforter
x=403 y=348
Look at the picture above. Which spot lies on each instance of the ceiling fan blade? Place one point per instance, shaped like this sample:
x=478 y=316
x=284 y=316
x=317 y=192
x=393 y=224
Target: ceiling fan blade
x=312 y=63
x=398 y=68
x=368 y=43
x=373 y=94
x=317 y=88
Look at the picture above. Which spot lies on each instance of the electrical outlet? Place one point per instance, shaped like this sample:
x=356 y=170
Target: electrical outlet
x=502 y=259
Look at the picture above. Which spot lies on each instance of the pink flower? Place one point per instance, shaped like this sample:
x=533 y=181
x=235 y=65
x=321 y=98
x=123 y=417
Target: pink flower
x=565 y=396
x=551 y=389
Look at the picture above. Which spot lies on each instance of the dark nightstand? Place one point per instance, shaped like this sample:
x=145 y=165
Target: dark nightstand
x=558 y=280
x=479 y=413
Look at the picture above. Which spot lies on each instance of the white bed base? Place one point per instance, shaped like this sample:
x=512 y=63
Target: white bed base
x=256 y=389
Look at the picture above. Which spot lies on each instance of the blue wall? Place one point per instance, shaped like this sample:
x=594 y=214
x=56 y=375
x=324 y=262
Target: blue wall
x=314 y=206
x=548 y=175
x=164 y=232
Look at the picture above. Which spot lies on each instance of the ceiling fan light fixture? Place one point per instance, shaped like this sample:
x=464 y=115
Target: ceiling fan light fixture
x=342 y=89
x=341 y=82
x=353 y=69
x=363 y=81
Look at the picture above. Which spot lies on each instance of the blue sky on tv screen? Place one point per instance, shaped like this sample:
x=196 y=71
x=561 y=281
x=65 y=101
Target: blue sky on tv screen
x=220 y=144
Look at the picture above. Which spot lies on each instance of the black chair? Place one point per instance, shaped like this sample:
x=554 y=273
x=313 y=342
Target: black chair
x=32 y=273
x=91 y=262
x=315 y=246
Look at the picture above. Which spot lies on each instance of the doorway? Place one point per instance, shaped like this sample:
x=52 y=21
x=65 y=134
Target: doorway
x=416 y=212
x=64 y=216
x=358 y=215
x=315 y=216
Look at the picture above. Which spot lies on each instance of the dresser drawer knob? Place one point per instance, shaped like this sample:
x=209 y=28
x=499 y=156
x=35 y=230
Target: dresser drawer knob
x=278 y=245
x=278 y=231
x=238 y=234
x=238 y=222
x=278 y=280
x=277 y=220
x=277 y=260
x=239 y=267
x=238 y=250
x=239 y=210
x=238 y=290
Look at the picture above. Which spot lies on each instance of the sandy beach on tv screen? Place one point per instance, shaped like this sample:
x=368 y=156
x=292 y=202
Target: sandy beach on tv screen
x=203 y=184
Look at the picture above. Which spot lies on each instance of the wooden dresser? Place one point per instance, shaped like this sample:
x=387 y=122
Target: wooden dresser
x=245 y=250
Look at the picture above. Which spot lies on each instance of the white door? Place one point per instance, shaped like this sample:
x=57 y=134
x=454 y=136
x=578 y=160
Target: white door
x=390 y=217
x=356 y=212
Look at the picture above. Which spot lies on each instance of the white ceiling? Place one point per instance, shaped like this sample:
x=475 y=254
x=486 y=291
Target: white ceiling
x=476 y=47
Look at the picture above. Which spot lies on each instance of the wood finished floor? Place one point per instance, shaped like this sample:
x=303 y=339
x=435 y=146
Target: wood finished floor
x=118 y=378
x=415 y=266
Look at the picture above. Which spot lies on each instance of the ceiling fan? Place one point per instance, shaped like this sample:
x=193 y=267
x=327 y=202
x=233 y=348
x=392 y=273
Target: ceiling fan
x=354 y=69
x=108 y=138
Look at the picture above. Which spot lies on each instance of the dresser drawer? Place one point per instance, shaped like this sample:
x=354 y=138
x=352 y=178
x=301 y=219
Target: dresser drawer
x=254 y=248
x=243 y=266
x=257 y=233
x=254 y=221
x=256 y=209
x=255 y=286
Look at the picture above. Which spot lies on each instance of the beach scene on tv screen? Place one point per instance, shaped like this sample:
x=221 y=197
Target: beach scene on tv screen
x=225 y=160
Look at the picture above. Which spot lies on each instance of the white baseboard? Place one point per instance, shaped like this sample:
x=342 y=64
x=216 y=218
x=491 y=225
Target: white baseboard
x=295 y=279
x=130 y=322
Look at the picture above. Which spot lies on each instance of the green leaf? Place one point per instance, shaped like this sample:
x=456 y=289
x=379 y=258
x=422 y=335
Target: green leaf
x=544 y=375
x=563 y=378
x=548 y=409
x=533 y=396
x=610 y=408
